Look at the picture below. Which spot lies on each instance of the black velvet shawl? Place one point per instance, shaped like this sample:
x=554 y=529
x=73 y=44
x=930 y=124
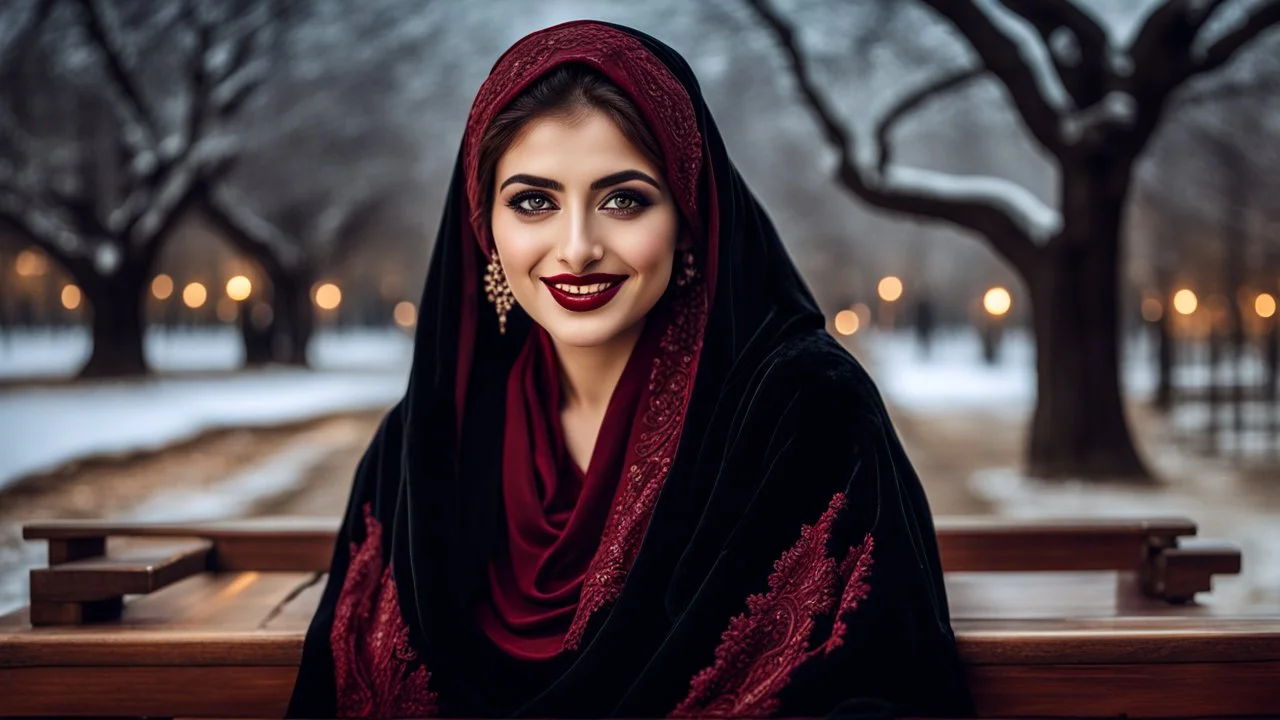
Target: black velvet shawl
x=789 y=567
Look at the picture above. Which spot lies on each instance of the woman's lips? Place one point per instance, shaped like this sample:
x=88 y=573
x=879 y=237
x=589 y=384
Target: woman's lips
x=583 y=293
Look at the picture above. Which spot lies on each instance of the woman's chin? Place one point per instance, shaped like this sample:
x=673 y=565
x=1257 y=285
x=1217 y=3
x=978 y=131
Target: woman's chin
x=583 y=330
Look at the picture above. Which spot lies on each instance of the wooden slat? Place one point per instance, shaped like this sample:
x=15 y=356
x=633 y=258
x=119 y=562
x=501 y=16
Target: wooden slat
x=1143 y=690
x=966 y=543
x=135 y=570
x=994 y=544
x=194 y=691
x=63 y=551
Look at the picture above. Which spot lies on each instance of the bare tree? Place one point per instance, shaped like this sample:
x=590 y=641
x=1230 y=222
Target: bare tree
x=1092 y=106
x=105 y=220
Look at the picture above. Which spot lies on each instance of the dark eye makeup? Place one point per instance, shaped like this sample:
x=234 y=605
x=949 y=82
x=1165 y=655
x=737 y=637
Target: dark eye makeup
x=621 y=203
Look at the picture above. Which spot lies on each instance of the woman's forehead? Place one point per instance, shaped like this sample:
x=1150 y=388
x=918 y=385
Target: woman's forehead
x=587 y=145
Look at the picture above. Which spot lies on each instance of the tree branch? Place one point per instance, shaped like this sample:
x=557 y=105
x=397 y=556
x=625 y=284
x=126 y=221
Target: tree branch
x=25 y=36
x=1036 y=91
x=900 y=190
x=1065 y=29
x=1260 y=20
x=119 y=74
x=914 y=100
x=250 y=232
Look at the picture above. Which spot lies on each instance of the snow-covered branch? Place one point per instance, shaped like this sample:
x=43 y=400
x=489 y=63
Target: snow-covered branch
x=1252 y=24
x=1076 y=43
x=136 y=113
x=228 y=209
x=1012 y=50
x=1010 y=217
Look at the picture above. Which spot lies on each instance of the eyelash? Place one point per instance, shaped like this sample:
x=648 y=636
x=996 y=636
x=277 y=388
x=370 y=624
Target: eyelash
x=641 y=202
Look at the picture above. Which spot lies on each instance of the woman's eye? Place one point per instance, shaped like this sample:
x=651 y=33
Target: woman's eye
x=529 y=203
x=626 y=203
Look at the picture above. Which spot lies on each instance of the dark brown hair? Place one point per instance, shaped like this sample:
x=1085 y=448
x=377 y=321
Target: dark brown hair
x=567 y=91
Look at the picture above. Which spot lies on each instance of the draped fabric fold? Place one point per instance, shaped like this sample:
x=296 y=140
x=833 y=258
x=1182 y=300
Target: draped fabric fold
x=748 y=539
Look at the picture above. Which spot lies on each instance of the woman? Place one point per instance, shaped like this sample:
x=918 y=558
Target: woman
x=631 y=475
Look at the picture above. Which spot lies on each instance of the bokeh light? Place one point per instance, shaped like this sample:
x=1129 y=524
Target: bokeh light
x=239 y=288
x=1185 y=302
x=406 y=314
x=31 y=264
x=847 y=322
x=162 y=287
x=1152 y=310
x=997 y=301
x=328 y=296
x=71 y=297
x=194 y=295
x=890 y=288
x=1265 y=305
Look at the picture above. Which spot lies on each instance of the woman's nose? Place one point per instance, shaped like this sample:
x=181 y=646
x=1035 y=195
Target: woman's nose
x=578 y=247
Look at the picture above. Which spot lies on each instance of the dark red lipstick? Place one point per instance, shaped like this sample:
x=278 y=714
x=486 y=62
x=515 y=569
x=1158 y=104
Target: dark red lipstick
x=605 y=285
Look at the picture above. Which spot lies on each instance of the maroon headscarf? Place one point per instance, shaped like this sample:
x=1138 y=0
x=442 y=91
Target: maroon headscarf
x=571 y=535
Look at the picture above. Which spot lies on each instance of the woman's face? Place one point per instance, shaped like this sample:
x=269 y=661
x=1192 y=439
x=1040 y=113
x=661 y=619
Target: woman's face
x=585 y=228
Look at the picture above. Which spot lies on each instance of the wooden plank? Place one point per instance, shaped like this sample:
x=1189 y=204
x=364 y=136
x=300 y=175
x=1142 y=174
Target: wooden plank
x=970 y=544
x=75 y=613
x=1145 y=690
x=63 y=551
x=246 y=691
x=966 y=543
x=134 y=570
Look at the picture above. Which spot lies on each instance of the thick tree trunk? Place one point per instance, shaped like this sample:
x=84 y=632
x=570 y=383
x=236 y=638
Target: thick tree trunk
x=293 y=319
x=1079 y=429
x=115 y=304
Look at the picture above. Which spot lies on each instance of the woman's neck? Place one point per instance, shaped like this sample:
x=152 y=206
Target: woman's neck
x=590 y=374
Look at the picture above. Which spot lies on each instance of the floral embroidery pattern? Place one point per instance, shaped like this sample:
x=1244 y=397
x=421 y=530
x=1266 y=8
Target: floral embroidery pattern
x=370 y=640
x=764 y=645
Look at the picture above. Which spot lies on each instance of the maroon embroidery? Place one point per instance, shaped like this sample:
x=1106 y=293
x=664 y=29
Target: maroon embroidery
x=764 y=645
x=370 y=641
x=669 y=387
x=658 y=94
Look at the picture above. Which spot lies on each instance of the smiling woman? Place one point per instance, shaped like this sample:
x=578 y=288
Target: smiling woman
x=632 y=475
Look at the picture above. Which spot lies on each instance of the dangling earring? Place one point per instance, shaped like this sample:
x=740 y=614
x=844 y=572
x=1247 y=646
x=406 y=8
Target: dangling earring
x=689 y=270
x=498 y=291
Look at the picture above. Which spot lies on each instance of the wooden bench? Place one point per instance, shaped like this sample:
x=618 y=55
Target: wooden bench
x=1062 y=618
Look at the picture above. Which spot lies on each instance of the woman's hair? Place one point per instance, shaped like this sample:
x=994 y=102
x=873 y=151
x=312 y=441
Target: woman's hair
x=568 y=91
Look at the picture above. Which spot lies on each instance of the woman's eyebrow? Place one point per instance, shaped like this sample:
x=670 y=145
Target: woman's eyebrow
x=620 y=177
x=534 y=180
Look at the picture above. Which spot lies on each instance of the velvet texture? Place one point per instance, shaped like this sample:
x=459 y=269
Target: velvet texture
x=778 y=559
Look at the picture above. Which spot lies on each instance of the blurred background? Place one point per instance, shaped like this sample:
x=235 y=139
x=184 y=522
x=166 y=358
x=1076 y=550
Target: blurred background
x=1050 y=229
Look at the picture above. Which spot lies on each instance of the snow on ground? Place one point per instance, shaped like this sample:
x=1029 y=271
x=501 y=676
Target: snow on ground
x=1211 y=490
x=46 y=354
x=44 y=428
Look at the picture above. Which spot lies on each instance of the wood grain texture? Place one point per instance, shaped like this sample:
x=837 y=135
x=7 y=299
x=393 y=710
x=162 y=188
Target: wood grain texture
x=137 y=569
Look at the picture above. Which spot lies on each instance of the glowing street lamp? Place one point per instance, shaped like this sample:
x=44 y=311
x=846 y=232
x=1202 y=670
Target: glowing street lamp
x=997 y=301
x=328 y=296
x=162 y=287
x=1265 y=305
x=239 y=288
x=1185 y=302
x=71 y=297
x=194 y=295
x=890 y=288
x=406 y=314
x=847 y=322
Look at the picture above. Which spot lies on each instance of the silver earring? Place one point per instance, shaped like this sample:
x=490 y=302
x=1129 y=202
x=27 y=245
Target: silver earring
x=498 y=291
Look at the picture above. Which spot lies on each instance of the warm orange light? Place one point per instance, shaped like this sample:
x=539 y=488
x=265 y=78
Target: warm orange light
x=890 y=288
x=328 y=296
x=1265 y=305
x=194 y=295
x=239 y=288
x=1185 y=302
x=847 y=322
x=1152 y=310
x=31 y=264
x=406 y=314
x=71 y=297
x=997 y=301
x=162 y=287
